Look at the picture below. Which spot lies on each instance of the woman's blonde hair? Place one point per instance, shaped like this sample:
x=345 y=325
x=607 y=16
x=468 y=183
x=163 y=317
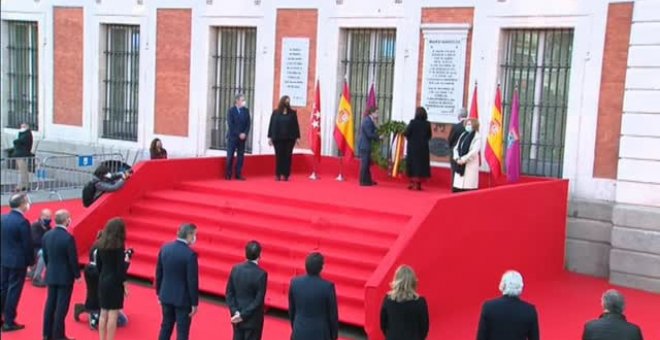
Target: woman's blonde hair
x=404 y=285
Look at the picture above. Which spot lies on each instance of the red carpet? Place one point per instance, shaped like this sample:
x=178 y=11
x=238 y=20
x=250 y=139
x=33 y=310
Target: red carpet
x=563 y=306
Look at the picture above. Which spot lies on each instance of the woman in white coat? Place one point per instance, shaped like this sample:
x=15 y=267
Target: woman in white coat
x=466 y=155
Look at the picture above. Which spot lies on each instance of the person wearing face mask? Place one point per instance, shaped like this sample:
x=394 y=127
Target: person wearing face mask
x=177 y=283
x=283 y=134
x=238 y=126
x=368 y=134
x=61 y=258
x=17 y=255
x=23 y=151
x=103 y=181
x=39 y=228
x=466 y=158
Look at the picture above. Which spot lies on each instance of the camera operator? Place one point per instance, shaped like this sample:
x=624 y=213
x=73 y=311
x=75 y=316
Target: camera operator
x=91 y=305
x=104 y=181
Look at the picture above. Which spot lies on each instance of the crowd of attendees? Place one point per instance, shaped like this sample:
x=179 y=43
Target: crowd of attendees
x=30 y=250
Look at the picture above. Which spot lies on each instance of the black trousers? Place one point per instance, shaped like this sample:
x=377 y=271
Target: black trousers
x=57 y=307
x=365 y=168
x=11 y=287
x=247 y=334
x=235 y=146
x=172 y=315
x=283 y=154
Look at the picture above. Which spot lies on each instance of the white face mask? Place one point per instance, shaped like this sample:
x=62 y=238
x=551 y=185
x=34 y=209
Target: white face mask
x=194 y=240
x=108 y=175
x=22 y=129
x=468 y=128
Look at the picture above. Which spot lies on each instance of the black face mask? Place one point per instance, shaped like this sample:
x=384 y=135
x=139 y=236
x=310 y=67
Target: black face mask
x=46 y=222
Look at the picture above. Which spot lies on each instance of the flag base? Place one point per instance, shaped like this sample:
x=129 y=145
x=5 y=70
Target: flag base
x=313 y=176
x=340 y=178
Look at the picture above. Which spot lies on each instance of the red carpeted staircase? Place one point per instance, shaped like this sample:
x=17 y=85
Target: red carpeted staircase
x=353 y=240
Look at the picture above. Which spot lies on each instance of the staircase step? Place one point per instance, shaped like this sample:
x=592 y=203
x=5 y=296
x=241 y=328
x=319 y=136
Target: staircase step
x=260 y=225
x=380 y=225
x=228 y=255
x=218 y=188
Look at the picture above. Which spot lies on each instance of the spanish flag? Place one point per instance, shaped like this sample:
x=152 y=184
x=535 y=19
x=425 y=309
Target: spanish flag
x=344 y=132
x=495 y=145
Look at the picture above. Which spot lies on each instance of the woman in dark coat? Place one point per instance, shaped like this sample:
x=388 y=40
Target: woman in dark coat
x=283 y=134
x=418 y=161
x=156 y=150
x=404 y=314
x=111 y=261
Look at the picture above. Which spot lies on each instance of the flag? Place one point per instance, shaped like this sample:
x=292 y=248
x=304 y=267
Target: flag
x=315 y=130
x=397 y=153
x=371 y=100
x=495 y=145
x=513 y=141
x=474 y=112
x=344 y=132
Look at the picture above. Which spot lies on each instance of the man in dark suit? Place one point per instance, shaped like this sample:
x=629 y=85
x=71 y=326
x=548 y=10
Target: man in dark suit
x=612 y=324
x=61 y=258
x=23 y=151
x=508 y=317
x=246 y=291
x=368 y=134
x=313 y=304
x=177 y=283
x=17 y=255
x=238 y=123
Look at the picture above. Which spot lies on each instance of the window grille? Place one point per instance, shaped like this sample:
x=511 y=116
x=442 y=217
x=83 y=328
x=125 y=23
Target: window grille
x=22 y=74
x=538 y=61
x=121 y=52
x=234 y=52
x=369 y=58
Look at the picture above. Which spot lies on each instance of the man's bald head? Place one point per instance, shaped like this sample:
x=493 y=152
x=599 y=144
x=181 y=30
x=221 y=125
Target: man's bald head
x=62 y=217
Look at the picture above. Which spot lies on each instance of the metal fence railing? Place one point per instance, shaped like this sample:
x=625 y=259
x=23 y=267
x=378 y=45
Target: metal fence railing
x=53 y=174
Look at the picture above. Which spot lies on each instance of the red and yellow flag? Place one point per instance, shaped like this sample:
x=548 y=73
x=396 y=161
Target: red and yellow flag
x=495 y=145
x=344 y=132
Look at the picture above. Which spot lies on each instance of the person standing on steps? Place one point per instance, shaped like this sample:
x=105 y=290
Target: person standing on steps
x=61 y=258
x=238 y=127
x=177 y=283
x=246 y=292
x=283 y=134
x=17 y=256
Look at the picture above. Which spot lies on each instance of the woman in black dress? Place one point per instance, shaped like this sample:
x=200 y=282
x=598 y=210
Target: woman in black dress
x=283 y=134
x=418 y=161
x=112 y=263
x=404 y=314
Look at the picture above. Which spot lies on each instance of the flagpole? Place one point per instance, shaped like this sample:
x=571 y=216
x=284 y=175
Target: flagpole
x=313 y=176
x=340 y=177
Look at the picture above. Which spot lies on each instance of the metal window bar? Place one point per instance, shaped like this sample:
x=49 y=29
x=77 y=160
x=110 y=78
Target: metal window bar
x=369 y=58
x=538 y=61
x=22 y=74
x=234 y=57
x=121 y=82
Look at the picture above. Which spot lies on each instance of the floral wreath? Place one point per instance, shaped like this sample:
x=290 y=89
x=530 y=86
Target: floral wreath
x=381 y=157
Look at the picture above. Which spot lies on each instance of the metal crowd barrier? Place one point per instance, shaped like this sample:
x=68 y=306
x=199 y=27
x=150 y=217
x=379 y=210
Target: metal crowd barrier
x=18 y=173
x=57 y=173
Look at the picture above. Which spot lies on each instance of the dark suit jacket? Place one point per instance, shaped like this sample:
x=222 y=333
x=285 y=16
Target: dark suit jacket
x=368 y=134
x=245 y=293
x=23 y=144
x=237 y=122
x=61 y=257
x=611 y=327
x=455 y=133
x=313 y=309
x=38 y=230
x=508 y=318
x=16 y=241
x=177 y=275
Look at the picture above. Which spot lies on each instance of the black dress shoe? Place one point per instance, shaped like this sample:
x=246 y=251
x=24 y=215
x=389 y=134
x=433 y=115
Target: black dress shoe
x=78 y=309
x=38 y=283
x=240 y=178
x=228 y=178
x=12 y=328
